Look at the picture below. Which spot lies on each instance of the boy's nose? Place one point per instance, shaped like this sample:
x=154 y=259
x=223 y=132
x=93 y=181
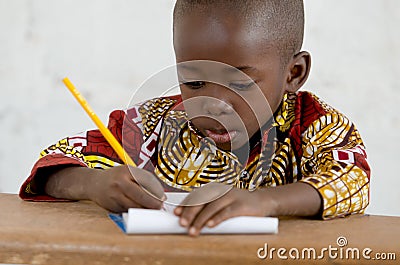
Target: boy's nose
x=218 y=101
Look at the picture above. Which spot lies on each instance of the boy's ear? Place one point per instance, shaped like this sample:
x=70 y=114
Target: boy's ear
x=298 y=71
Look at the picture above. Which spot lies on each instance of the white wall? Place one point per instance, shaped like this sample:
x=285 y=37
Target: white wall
x=109 y=47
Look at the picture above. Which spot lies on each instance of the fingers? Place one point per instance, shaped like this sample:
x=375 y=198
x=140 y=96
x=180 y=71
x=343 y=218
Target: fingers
x=234 y=203
x=122 y=204
x=148 y=182
x=189 y=214
x=201 y=196
x=207 y=215
x=125 y=203
x=226 y=213
x=196 y=217
x=207 y=193
x=123 y=187
x=148 y=193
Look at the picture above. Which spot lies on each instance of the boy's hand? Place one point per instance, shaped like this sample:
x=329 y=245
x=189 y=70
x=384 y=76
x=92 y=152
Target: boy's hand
x=235 y=202
x=116 y=190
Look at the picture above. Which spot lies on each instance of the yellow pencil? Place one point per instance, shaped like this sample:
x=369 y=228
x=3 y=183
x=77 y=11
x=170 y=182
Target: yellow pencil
x=103 y=129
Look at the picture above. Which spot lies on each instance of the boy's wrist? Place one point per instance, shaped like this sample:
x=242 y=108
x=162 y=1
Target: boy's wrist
x=92 y=183
x=296 y=199
x=73 y=183
x=270 y=201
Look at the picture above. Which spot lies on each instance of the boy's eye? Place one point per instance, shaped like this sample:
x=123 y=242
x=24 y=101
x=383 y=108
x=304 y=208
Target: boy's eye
x=195 y=84
x=241 y=86
x=233 y=85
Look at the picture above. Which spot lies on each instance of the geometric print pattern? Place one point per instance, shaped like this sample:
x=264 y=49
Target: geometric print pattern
x=314 y=144
x=329 y=165
x=186 y=161
x=64 y=147
x=152 y=111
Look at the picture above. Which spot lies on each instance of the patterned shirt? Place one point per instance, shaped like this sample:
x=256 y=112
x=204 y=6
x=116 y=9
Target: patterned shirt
x=308 y=141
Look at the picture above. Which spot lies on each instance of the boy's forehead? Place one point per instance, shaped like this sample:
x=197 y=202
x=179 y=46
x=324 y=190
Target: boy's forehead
x=256 y=26
x=221 y=24
x=219 y=32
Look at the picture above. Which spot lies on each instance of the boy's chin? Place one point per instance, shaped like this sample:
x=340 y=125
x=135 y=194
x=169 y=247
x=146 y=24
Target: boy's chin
x=232 y=147
x=224 y=146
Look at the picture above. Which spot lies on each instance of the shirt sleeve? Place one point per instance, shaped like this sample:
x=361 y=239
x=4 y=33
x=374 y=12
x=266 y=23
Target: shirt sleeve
x=335 y=163
x=87 y=149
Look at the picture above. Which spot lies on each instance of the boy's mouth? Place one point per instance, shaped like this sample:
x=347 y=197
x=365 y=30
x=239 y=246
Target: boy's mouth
x=221 y=136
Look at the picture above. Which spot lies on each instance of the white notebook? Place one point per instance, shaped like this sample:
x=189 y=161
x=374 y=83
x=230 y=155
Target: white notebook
x=146 y=221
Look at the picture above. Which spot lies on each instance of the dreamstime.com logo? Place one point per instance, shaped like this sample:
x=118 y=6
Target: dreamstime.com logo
x=339 y=251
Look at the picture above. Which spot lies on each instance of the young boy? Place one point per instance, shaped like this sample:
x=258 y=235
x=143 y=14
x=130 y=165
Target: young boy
x=306 y=159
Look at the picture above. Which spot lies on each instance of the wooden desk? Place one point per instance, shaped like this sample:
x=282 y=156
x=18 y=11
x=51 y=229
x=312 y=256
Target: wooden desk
x=81 y=233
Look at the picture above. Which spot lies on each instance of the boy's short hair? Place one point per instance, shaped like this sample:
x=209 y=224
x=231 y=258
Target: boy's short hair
x=280 y=21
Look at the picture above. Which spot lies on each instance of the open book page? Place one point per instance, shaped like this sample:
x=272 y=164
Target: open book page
x=146 y=221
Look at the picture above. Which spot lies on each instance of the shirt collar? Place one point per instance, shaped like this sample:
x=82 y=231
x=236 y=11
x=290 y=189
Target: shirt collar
x=281 y=121
x=284 y=115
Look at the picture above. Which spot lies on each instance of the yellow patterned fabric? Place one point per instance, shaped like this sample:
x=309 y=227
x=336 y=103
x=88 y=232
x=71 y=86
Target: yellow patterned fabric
x=186 y=161
x=344 y=187
x=67 y=149
x=286 y=115
x=307 y=141
x=152 y=111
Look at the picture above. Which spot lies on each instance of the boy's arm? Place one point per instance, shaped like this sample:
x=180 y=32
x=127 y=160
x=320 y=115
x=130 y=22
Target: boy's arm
x=335 y=181
x=68 y=170
x=51 y=160
x=335 y=164
x=116 y=189
x=296 y=199
x=89 y=150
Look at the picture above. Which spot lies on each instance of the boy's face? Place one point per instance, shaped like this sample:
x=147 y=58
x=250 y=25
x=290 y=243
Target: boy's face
x=220 y=111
